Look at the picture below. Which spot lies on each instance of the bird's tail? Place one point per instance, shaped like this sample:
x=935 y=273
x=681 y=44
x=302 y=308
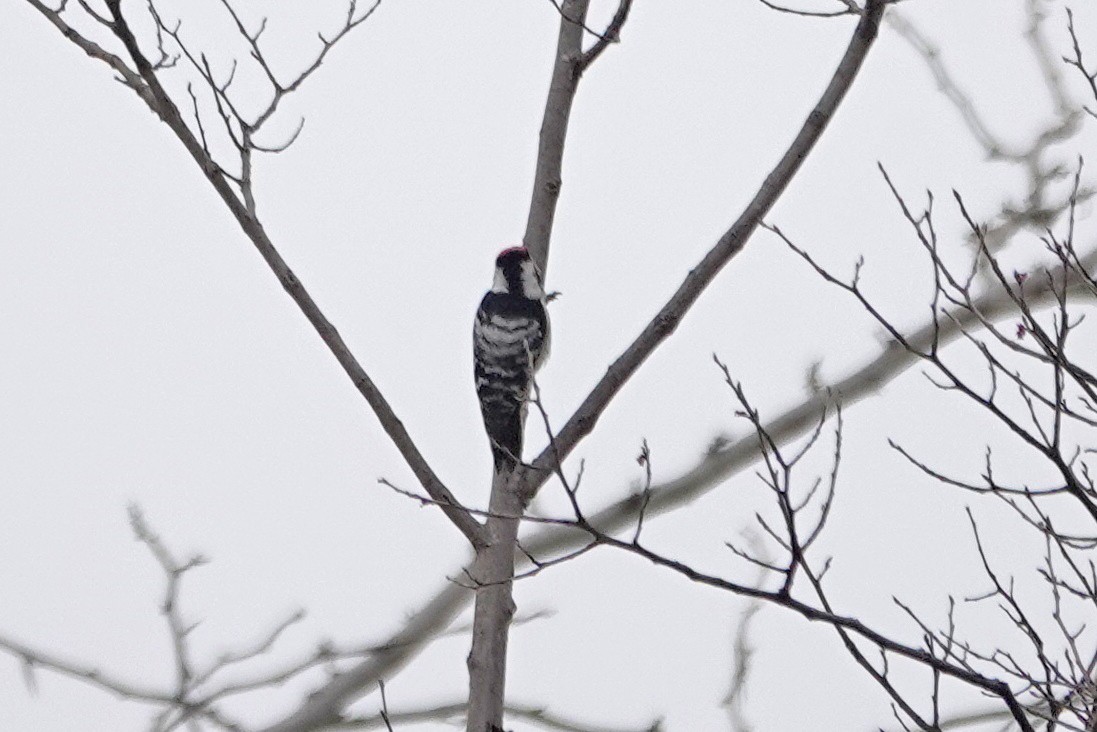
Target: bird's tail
x=505 y=427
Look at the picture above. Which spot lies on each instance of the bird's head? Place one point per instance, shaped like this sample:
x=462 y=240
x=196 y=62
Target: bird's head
x=516 y=274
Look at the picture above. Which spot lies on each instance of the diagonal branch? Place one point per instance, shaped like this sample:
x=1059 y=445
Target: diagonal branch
x=841 y=623
x=161 y=103
x=730 y=244
x=125 y=74
x=147 y=85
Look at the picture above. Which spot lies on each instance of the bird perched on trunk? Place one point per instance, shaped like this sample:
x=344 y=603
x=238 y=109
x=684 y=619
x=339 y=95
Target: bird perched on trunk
x=510 y=341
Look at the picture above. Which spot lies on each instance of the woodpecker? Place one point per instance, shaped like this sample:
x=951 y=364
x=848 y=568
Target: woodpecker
x=510 y=341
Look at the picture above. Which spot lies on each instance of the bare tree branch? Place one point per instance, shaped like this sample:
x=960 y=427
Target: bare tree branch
x=127 y=689
x=612 y=34
x=158 y=100
x=547 y=177
x=174 y=571
x=125 y=74
x=701 y=276
x=1077 y=62
x=1040 y=208
x=198 y=689
x=493 y=568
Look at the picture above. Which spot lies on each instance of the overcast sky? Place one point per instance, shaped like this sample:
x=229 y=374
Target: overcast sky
x=149 y=356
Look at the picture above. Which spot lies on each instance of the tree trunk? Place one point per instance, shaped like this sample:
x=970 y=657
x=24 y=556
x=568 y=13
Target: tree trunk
x=493 y=573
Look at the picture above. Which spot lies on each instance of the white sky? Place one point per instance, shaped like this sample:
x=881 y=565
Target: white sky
x=149 y=356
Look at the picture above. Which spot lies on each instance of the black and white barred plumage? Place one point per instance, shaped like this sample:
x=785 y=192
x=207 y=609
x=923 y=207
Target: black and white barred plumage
x=510 y=341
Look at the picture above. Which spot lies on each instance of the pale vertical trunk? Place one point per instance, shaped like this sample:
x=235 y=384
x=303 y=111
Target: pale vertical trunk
x=493 y=571
x=548 y=178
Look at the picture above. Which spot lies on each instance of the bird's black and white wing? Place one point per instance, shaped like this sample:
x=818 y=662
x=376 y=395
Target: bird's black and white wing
x=510 y=342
